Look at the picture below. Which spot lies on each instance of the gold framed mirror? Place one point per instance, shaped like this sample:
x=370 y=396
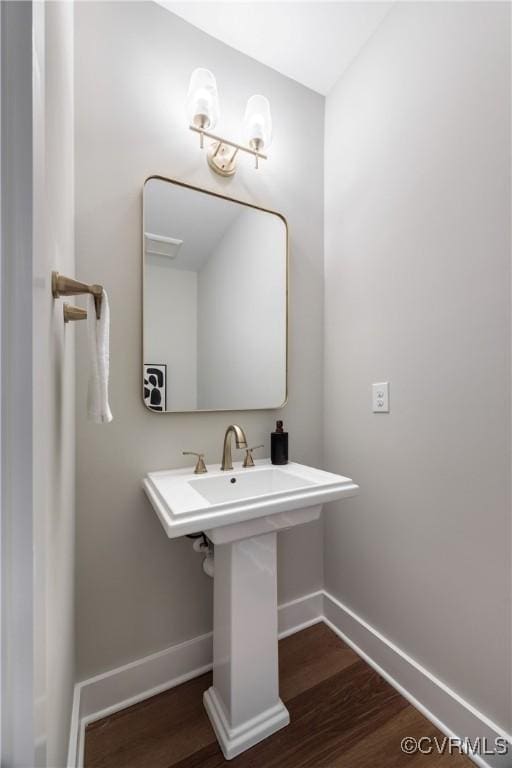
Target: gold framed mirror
x=215 y=301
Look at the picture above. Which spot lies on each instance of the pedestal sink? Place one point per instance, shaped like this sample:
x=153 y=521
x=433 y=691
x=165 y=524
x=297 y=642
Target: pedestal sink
x=241 y=512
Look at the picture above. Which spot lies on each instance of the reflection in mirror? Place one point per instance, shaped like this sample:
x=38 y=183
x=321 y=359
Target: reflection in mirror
x=215 y=302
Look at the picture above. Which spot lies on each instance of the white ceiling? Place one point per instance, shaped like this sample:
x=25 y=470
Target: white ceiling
x=311 y=42
x=180 y=212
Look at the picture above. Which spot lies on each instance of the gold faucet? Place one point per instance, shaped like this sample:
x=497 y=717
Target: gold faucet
x=240 y=442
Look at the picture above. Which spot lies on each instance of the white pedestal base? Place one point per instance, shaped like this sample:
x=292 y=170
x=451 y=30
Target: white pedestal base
x=233 y=741
x=243 y=704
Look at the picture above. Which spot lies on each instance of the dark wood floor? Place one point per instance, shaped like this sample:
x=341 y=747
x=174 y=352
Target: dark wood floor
x=343 y=715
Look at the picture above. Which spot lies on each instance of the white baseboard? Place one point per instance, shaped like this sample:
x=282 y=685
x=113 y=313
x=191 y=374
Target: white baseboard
x=112 y=691
x=300 y=614
x=454 y=716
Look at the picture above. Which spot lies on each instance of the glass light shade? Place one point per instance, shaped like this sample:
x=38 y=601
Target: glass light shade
x=258 y=122
x=202 y=99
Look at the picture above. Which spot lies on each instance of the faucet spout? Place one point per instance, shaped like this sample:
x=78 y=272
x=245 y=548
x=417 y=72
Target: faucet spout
x=240 y=442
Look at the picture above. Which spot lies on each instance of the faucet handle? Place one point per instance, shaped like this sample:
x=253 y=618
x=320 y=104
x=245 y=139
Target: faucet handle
x=249 y=461
x=200 y=465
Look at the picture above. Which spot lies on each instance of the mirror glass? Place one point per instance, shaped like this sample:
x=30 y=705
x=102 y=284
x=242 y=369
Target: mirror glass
x=215 y=302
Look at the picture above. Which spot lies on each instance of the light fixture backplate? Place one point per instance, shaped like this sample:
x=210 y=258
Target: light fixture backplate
x=222 y=158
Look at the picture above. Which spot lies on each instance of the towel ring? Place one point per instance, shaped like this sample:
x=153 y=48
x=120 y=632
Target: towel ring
x=67 y=286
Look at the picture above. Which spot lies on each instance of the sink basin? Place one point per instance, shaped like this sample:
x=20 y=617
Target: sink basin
x=248 y=485
x=189 y=503
x=241 y=512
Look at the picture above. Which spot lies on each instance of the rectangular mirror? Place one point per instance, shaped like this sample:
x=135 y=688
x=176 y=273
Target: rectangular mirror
x=215 y=275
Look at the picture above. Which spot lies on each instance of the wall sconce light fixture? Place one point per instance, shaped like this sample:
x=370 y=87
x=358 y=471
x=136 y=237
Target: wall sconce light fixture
x=202 y=100
x=203 y=113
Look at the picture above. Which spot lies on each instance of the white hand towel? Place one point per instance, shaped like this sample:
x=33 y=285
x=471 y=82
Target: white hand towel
x=98 y=332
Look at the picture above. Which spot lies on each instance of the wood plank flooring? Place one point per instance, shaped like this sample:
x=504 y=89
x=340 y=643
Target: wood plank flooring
x=343 y=715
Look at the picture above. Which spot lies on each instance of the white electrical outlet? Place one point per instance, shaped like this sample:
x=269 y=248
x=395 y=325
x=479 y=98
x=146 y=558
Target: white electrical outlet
x=380 y=397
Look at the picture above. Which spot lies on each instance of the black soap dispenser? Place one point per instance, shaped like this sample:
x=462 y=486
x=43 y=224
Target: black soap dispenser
x=279 y=445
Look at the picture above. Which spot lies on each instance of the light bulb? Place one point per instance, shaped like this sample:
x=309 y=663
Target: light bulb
x=202 y=100
x=258 y=123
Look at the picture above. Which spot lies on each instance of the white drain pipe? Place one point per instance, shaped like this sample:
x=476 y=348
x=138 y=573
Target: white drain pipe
x=208 y=564
x=204 y=547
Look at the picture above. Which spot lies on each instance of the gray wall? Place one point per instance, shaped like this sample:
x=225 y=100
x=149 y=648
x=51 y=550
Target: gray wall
x=417 y=238
x=137 y=591
x=54 y=385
